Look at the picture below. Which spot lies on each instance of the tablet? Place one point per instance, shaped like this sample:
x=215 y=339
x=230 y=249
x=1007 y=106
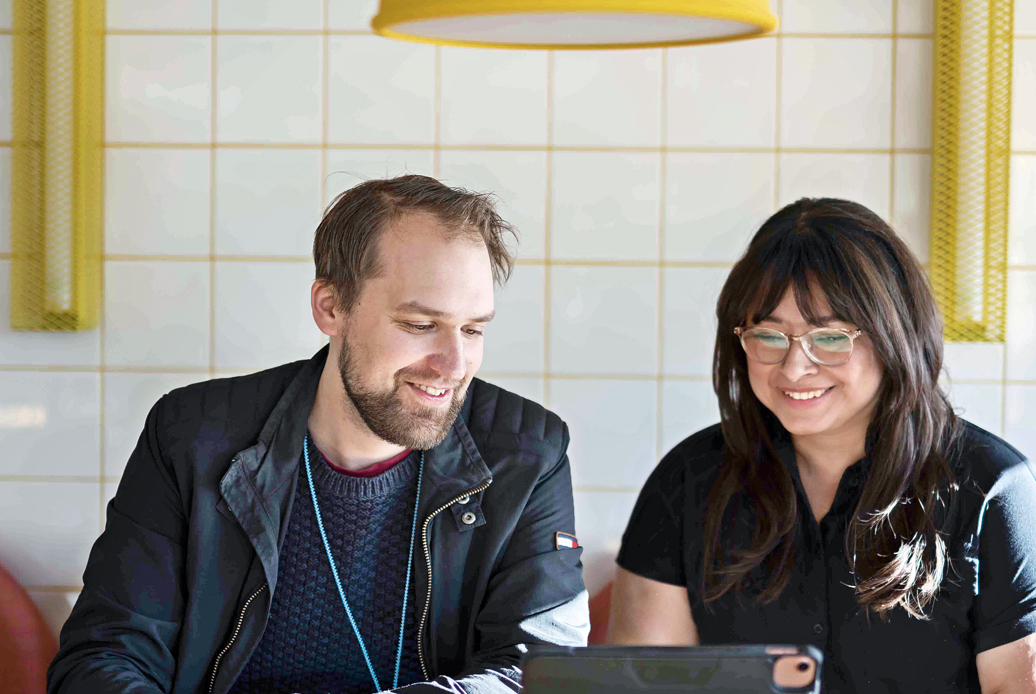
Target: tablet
x=762 y=669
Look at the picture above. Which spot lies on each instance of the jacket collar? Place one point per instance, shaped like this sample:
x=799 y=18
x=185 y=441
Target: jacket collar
x=259 y=486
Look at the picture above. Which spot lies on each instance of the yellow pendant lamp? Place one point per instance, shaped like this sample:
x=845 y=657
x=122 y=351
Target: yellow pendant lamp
x=573 y=23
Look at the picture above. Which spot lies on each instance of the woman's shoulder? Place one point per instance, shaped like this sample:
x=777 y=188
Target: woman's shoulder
x=696 y=457
x=985 y=459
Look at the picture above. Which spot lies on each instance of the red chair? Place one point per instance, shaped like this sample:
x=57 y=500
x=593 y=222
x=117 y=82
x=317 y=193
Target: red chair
x=26 y=644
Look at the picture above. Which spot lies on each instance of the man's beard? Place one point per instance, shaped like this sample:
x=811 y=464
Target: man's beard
x=386 y=415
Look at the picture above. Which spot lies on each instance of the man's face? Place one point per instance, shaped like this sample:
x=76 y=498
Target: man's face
x=413 y=338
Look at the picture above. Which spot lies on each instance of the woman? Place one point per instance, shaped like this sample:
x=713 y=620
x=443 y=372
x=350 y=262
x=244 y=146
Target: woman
x=840 y=502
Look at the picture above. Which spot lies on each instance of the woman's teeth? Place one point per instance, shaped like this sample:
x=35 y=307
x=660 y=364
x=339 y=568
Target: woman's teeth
x=431 y=391
x=805 y=395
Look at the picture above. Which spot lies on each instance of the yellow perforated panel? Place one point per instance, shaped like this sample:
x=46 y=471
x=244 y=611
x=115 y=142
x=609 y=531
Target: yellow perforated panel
x=970 y=166
x=57 y=164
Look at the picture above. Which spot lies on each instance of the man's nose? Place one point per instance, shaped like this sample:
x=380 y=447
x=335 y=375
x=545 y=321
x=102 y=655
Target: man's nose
x=796 y=363
x=449 y=359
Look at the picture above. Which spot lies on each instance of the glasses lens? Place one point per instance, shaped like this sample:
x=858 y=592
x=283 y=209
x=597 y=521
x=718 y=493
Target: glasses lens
x=763 y=345
x=830 y=347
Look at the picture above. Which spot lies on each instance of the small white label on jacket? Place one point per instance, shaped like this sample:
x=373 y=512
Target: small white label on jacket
x=565 y=541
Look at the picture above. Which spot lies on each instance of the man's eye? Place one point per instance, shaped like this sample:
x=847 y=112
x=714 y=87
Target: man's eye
x=473 y=331
x=419 y=327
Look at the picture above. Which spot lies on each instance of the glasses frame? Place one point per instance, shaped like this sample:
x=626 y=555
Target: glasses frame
x=800 y=338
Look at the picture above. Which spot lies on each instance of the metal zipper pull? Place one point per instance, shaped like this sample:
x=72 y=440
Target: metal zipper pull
x=428 y=563
x=233 y=637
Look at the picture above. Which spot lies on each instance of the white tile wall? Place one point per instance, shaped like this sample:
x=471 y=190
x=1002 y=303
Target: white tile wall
x=979 y=403
x=352 y=15
x=612 y=445
x=917 y=16
x=159 y=15
x=625 y=85
x=263 y=314
x=1023 y=91
x=847 y=16
x=689 y=317
x=836 y=92
x=912 y=194
x=158 y=89
x=913 y=93
x=1025 y=19
x=715 y=202
x=6 y=7
x=1020 y=402
x=267 y=201
x=740 y=76
x=156 y=314
x=41 y=413
x=514 y=341
x=509 y=106
x=1021 y=239
x=863 y=178
x=48 y=530
x=269 y=14
x=157 y=201
x=269 y=88
x=380 y=91
x=604 y=320
x=597 y=157
x=348 y=167
x=687 y=407
x=1021 y=328
x=605 y=206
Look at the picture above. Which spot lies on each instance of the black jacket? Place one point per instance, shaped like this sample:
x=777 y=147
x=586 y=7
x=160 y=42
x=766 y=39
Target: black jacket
x=178 y=587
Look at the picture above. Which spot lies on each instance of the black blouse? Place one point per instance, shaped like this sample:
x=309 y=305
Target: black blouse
x=987 y=599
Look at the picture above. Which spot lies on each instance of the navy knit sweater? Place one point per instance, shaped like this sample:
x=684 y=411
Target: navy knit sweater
x=308 y=645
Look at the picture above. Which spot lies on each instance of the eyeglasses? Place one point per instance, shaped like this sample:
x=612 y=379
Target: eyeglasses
x=825 y=346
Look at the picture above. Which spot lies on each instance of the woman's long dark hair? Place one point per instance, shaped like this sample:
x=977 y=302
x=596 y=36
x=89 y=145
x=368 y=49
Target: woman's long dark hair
x=871 y=280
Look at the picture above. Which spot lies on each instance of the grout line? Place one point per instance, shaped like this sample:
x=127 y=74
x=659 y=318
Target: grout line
x=548 y=220
x=6 y=256
x=6 y=143
x=631 y=149
x=663 y=128
x=203 y=370
x=437 y=123
x=214 y=96
x=892 y=115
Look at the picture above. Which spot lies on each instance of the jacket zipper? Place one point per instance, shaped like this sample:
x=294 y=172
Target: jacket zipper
x=233 y=637
x=428 y=563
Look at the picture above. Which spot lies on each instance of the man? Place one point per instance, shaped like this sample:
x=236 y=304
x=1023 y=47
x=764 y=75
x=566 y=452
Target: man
x=370 y=519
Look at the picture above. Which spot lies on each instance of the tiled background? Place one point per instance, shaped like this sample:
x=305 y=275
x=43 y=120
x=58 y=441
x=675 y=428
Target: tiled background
x=635 y=177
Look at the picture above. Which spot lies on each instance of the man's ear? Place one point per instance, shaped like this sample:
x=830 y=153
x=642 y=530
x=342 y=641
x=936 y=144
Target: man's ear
x=324 y=301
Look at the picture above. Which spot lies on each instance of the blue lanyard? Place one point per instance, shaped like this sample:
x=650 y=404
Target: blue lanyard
x=338 y=581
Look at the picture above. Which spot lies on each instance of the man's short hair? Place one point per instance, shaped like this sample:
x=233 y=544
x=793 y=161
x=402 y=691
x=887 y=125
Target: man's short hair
x=345 y=249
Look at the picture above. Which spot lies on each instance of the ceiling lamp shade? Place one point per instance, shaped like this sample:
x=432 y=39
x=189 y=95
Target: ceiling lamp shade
x=573 y=23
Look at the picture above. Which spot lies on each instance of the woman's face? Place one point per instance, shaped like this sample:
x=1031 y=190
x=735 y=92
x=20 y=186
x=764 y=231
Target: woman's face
x=810 y=399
